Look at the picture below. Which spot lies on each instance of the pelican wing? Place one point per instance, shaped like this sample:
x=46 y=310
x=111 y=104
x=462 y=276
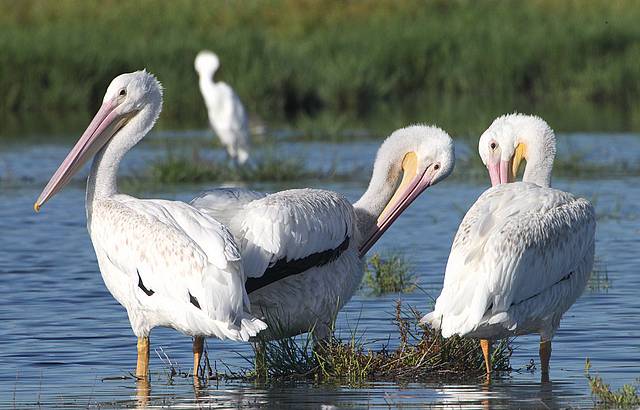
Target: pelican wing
x=284 y=227
x=223 y=204
x=182 y=261
x=517 y=242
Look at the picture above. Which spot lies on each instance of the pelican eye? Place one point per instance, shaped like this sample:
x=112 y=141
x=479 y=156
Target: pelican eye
x=436 y=167
x=122 y=92
x=493 y=145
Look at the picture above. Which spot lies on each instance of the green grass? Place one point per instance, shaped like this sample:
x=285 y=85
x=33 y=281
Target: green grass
x=180 y=169
x=455 y=63
x=386 y=273
x=576 y=165
x=422 y=354
x=390 y=273
x=626 y=396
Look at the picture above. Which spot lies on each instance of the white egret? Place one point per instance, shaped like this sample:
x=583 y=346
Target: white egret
x=226 y=113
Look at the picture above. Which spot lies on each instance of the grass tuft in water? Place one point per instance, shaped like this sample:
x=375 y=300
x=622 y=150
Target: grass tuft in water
x=180 y=169
x=421 y=354
x=171 y=367
x=599 y=278
x=576 y=165
x=626 y=396
x=290 y=358
x=390 y=273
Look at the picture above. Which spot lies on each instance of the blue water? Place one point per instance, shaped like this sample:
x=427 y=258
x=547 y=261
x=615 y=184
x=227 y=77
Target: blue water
x=62 y=333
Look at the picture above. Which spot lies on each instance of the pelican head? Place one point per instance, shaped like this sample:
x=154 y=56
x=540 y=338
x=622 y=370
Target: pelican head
x=512 y=138
x=417 y=156
x=206 y=63
x=127 y=96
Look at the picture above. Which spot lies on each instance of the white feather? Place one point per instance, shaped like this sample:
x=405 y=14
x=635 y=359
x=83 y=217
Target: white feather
x=523 y=252
x=508 y=260
x=178 y=253
x=293 y=224
x=286 y=225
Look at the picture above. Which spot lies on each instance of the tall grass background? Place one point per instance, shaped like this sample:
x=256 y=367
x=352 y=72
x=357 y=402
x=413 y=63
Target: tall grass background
x=384 y=63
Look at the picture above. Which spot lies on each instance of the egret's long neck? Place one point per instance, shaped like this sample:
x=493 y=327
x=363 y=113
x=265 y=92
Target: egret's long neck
x=371 y=204
x=102 y=181
x=208 y=88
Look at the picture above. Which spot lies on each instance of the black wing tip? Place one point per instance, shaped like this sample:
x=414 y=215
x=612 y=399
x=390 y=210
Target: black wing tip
x=148 y=292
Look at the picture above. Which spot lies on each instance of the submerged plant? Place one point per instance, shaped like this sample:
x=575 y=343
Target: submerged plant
x=421 y=354
x=388 y=274
x=626 y=396
x=599 y=278
x=171 y=366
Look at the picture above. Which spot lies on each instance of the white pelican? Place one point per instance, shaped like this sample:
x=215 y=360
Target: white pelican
x=303 y=249
x=226 y=113
x=165 y=262
x=523 y=252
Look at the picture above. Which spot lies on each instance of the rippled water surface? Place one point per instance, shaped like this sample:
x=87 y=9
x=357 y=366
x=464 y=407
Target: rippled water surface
x=65 y=341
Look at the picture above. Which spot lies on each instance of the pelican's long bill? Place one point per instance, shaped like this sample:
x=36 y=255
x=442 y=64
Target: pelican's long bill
x=500 y=172
x=103 y=126
x=410 y=188
x=505 y=172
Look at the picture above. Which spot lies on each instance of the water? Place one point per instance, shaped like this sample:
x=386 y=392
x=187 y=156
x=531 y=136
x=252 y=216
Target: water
x=65 y=340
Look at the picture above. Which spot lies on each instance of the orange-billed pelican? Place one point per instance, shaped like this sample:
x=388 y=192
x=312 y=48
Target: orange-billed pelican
x=167 y=263
x=303 y=249
x=523 y=252
x=226 y=113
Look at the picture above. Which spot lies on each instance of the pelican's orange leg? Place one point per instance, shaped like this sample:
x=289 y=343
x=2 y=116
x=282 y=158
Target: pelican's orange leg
x=143 y=392
x=485 y=344
x=198 y=347
x=142 y=368
x=545 y=356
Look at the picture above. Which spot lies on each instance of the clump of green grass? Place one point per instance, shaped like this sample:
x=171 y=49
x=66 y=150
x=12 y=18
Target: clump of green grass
x=577 y=166
x=180 y=169
x=626 y=396
x=421 y=354
x=278 y=169
x=290 y=358
x=388 y=274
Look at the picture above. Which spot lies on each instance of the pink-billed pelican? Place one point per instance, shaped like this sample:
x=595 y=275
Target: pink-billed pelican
x=523 y=252
x=226 y=113
x=165 y=262
x=303 y=249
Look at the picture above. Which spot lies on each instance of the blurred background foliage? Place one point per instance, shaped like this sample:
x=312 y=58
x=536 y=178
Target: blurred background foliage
x=384 y=63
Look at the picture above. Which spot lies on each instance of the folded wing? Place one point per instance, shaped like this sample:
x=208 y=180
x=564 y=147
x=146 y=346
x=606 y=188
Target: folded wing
x=295 y=226
x=516 y=243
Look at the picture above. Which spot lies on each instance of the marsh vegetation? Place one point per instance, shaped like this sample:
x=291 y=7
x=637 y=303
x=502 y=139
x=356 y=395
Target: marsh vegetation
x=388 y=273
x=414 y=352
x=180 y=169
x=392 y=63
x=624 y=397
